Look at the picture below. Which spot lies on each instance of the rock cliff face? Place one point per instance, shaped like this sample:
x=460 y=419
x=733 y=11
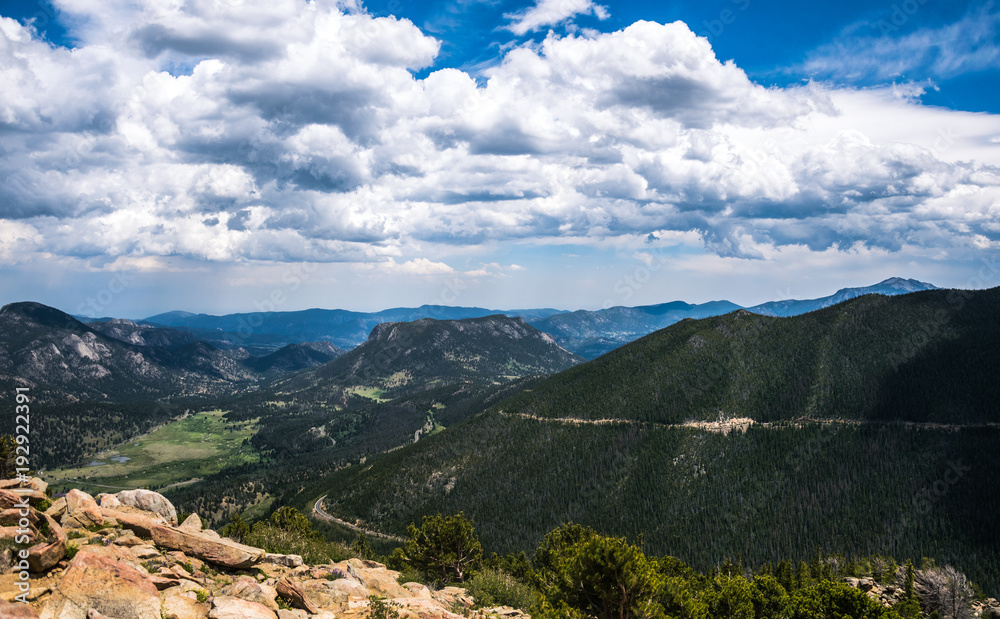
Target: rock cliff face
x=124 y=557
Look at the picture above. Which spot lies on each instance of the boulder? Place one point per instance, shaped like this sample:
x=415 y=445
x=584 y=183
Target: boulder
x=283 y=560
x=58 y=508
x=98 y=580
x=109 y=501
x=16 y=610
x=225 y=607
x=376 y=578
x=253 y=591
x=82 y=510
x=149 y=501
x=293 y=614
x=224 y=552
x=192 y=523
x=137 y=523
x=179 y=604
x=418 y=590
x=335 y=594
x=45 y=555
x=295 y=595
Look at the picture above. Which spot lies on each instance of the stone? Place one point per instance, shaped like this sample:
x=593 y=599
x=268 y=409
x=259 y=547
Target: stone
x=109 y=501
x=335 y=594
x=82 y=508
x=179 y=604
x=225 y=607
x=58 y=508
x=149 y=501
x=192 y=523
x=97 y=580
x=283 y=560
x=376 y=578
x=93 y=614
x=418 y=590
x=295 y=595
x=224 y=552
x=45 y=555
x=139 y=524
x=252 y=591
x=16 y=610
x=293 y=614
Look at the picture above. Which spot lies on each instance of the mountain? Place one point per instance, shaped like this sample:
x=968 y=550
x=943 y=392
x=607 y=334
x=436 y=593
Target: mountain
x=406 y=380
x=590 y=334
x=889 y=287
x=295 y=357
x=141 y=335
x=866 y=427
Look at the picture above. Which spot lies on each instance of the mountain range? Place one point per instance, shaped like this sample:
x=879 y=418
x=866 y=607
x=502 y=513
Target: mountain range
x=867 y=426
x=583 y=332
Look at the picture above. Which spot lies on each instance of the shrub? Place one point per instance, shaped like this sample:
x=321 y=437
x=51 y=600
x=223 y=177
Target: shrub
x=446 y=549
x=498 y=588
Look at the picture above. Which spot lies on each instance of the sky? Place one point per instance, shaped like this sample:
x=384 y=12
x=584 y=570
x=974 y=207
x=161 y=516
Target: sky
x=222 y=156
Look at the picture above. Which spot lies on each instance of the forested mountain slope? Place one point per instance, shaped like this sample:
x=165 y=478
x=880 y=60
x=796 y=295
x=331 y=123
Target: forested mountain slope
x=874 y=431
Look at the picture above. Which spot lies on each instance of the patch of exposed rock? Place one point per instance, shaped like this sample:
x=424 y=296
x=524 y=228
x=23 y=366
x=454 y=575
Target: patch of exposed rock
x=124 y=557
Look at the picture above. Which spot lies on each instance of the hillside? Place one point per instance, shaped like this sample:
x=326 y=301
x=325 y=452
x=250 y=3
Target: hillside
x=867 y=428
x=405 y=381
x=91 y=391
x=590 y=334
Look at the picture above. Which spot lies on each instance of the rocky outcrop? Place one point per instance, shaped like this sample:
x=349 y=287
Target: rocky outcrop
x=132 y=563
x=149 y=501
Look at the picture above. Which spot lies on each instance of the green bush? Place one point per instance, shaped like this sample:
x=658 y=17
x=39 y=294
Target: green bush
x=498 y=588
x=410 y=574
x=314 y=550
x=446 y=549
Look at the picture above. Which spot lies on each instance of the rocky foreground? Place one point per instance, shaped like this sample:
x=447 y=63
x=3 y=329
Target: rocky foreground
x=125 y=556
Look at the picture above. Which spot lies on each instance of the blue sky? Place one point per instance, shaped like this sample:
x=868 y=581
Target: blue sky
x=214 y=155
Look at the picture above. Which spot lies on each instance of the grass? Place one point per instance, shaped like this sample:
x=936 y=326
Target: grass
x=372 y=393
x=183 y=450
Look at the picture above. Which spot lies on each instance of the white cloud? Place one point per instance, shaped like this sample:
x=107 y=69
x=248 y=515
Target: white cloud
x=301 y=134
x=967 y=45
x=552 y=12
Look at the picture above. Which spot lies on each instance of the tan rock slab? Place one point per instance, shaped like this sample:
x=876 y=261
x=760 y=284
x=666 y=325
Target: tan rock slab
x=225 y=607
x=149 y=501
x=97 y=579
x=223 y=552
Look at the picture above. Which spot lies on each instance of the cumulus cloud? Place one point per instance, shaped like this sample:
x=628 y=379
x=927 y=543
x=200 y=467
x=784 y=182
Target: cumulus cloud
x=293 y=130
x=552 y=12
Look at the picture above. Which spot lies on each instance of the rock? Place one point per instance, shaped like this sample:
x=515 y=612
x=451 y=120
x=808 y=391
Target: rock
x=109 y=501
x=179 y=604
x=225 y=607
x=93 y=614
x=81 y=511
x=58 y=508
x=97 y=580
x=293 y=614
x=295 y=595
x=335 y=594
x=45 y=555
x=192 y=523
x=224 y=552
x=9 y=610
x=253 y=591
x=424 y=609
x=145 y=551
x=149 y=501
x=376 y=578
x=140 y=524
x=418 y=590
x=283 y=560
